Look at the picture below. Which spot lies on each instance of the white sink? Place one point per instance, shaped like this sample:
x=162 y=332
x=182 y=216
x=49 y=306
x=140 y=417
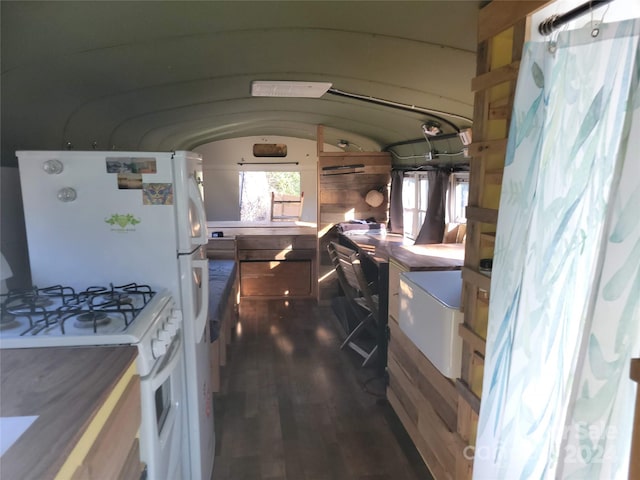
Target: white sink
x=430 y=314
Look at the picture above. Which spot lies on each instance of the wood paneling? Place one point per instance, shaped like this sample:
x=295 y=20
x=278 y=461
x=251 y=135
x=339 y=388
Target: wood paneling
x=341 y=194
x=426 y=403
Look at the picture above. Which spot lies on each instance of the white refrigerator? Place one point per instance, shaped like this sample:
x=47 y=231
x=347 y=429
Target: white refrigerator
x=121 y=217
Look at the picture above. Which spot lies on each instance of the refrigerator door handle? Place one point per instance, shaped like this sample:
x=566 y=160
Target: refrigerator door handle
x=196 y=198
x=202 y=314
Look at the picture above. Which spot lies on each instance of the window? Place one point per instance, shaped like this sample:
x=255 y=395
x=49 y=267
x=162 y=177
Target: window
x=255 y=192
x=415 y=197
x=458 y=197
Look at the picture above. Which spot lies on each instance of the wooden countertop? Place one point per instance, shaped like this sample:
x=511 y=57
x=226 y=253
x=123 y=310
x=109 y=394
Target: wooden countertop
x=233 y=229
x=64 y=387
x=437 y=256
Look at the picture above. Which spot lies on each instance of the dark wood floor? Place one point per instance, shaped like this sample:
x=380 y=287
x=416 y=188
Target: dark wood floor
x=294 y=406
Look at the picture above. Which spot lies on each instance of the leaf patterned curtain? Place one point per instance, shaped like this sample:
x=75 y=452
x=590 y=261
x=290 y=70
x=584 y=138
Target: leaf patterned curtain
x=564 y=312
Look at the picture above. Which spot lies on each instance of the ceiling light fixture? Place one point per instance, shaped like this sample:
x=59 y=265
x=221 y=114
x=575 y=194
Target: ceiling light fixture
x=431 y=128
x=346 y=144
x=268 y=88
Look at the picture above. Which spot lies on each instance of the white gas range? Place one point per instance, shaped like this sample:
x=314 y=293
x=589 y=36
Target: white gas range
x=58 y=316
x=132 y=314
x=96 y=218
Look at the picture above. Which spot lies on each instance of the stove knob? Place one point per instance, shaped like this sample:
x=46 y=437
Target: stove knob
x=158 y=348
x=172 y=326
x=164 y=335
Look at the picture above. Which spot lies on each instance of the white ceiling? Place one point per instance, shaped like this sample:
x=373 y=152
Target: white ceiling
x=173 y=75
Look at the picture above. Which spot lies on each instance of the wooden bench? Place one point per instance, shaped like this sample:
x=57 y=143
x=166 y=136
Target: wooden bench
x=222 y=313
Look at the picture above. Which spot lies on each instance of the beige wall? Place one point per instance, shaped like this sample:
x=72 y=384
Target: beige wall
x=13 y=239
x=221 y=190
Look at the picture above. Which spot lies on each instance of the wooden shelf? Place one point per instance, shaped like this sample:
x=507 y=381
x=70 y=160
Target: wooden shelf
x=507 y=73
x=476 y=278
x=488 y=238
x=475 y=341
x=502 y=30
x=481 y=214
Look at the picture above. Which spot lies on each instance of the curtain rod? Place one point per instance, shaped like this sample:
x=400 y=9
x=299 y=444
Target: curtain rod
x=426 y=168
x=268 y=163
x=554 y=22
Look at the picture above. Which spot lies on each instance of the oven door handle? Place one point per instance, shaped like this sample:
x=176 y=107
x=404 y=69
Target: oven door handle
x=167 y=366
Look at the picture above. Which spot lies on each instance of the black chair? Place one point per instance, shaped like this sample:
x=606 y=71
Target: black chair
x=363 y=301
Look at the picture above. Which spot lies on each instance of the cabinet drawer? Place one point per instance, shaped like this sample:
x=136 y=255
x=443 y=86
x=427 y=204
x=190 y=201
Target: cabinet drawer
x=276 y=242
x=267 y=255
x=275 y=278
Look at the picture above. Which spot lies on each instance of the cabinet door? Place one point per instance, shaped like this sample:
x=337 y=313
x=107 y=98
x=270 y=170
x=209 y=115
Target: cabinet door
x=394 y=290
x=275 y=278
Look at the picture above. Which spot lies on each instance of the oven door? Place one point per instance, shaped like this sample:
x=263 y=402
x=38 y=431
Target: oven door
x=161 y=429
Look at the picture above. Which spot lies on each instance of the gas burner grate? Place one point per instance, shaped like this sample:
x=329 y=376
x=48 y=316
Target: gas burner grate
x=91 y=320
x=91 y=308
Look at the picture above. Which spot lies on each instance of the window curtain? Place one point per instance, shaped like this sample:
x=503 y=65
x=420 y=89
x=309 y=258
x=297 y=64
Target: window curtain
x=432 y=230
x=564 y=313
x=396 y=222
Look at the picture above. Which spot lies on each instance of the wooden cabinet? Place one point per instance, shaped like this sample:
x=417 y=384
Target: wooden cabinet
x=87 y=404
x=277 y=265
x=115 y=452
x=425 y=400
x=290 y=278
x=222 y=248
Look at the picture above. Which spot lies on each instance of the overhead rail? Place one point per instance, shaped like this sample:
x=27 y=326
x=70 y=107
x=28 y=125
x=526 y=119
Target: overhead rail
x=437 y=114
x=554 y=22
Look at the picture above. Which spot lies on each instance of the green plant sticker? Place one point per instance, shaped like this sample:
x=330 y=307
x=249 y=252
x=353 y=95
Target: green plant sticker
x=122 y=220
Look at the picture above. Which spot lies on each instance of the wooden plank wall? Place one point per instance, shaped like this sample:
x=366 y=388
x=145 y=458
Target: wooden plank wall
x=341 y=195
x=502 y=29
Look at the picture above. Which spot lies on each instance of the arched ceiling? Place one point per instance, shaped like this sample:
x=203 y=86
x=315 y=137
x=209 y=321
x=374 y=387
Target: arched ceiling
x=176 y=74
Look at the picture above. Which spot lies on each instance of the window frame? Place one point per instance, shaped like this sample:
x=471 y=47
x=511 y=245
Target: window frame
x=456 y=213
x=266 y=202
x=418 y=211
